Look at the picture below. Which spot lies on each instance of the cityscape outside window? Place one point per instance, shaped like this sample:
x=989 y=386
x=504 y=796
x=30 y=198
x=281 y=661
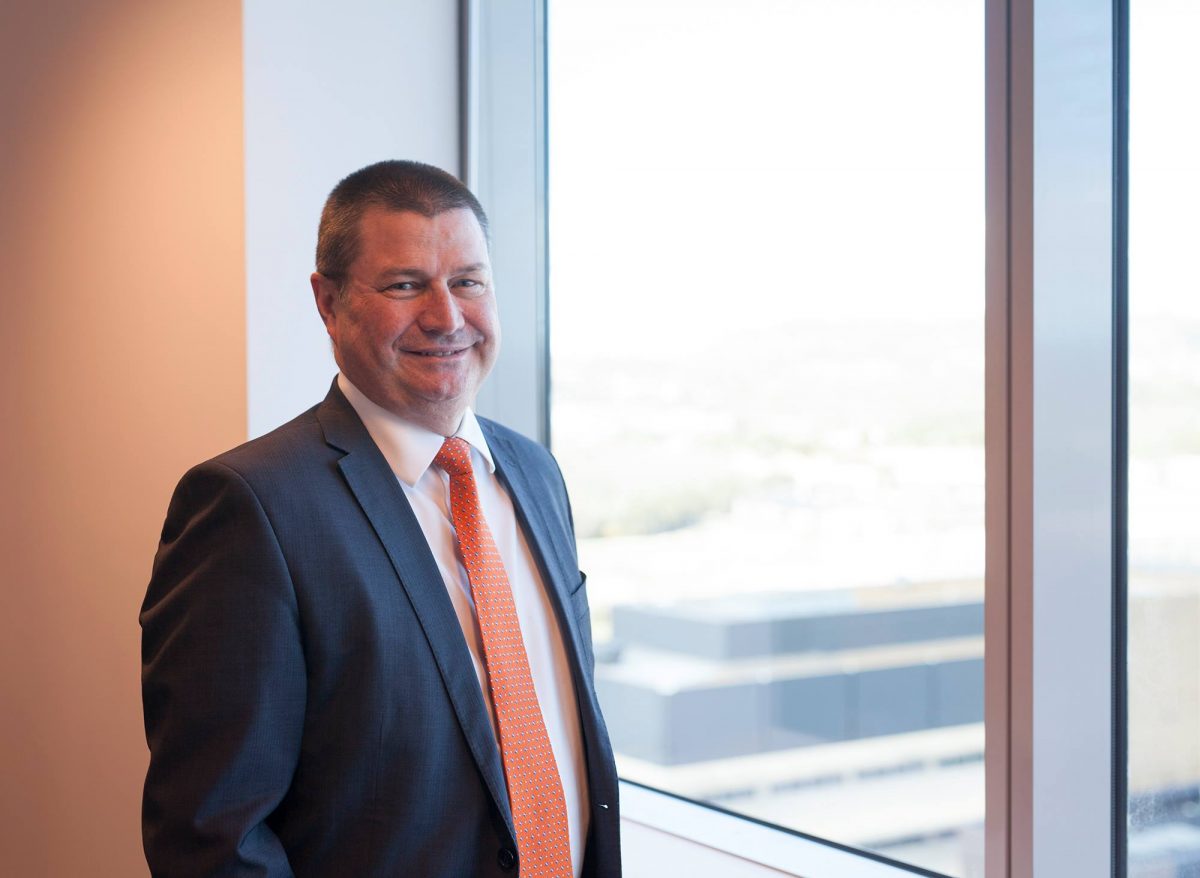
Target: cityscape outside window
x=767 y=300
x=1164 y=441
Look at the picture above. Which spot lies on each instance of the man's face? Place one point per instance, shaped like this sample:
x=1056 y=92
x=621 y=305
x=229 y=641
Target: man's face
x=416 y=328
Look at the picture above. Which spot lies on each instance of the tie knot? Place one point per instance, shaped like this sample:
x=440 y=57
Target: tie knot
x=454 y=457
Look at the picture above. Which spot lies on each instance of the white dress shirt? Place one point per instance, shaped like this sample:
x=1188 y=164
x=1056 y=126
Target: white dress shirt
x=410 y=451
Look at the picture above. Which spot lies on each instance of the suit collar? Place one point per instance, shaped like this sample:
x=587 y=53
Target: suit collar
x=342 y=426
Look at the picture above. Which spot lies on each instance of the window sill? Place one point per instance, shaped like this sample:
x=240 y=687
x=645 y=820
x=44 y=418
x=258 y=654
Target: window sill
x=748 y=840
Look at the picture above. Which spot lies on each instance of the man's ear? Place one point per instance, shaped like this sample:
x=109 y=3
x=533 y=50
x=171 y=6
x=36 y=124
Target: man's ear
x=325 y=293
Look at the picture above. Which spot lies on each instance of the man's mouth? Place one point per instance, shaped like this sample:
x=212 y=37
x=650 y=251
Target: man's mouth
x=439 y=353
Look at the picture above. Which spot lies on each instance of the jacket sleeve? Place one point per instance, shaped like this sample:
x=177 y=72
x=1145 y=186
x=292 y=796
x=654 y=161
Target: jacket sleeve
x=223 y=684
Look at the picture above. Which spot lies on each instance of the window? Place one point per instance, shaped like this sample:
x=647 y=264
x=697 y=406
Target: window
x=766 y=252
x=1164 y=464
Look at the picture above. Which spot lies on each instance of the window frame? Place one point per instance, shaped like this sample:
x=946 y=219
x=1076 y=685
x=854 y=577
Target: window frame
x=1055 y=105
x=502 y=124
x=1054 y=437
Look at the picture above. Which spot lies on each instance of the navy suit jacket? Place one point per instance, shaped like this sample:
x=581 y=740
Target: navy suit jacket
x=311 y=705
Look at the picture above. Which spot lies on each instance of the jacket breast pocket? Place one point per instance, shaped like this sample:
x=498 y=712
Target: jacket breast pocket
x=583 y=619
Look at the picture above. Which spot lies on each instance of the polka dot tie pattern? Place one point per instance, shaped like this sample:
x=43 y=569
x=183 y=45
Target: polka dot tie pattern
x=534 y=788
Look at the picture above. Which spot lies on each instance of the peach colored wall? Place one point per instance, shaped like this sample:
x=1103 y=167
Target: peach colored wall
x=123 y=345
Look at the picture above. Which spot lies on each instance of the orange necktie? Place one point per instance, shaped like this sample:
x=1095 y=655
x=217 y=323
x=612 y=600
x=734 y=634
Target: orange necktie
x=534 y=788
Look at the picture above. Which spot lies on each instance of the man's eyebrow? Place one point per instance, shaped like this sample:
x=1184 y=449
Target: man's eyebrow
x=396 y=270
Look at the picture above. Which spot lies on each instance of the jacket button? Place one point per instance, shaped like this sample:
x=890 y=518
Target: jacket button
x=507 y=858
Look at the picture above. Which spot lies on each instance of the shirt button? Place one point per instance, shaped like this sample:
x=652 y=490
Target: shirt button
x=507 y=858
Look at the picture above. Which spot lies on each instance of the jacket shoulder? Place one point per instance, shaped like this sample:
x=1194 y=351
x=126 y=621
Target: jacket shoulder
x=280 y=451
x=290 y=458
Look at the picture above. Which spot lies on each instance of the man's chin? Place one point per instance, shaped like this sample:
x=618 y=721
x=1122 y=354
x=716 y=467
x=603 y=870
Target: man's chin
x=439 y=387
x=441 y=401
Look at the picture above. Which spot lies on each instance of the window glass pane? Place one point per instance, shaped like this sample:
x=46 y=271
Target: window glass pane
x=1164 y=427
x=766 y=257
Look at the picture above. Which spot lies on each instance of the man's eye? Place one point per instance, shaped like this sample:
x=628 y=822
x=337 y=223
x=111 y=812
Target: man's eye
x=404 y=286
x=469 y=285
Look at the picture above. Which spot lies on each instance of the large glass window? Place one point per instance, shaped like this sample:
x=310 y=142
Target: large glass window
x=1164 y=465
x=766 y=275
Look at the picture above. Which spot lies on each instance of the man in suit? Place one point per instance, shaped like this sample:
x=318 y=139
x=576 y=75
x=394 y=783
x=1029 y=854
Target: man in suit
x=366 y=642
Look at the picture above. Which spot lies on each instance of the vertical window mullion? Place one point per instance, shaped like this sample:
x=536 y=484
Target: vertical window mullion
x=1052 y=453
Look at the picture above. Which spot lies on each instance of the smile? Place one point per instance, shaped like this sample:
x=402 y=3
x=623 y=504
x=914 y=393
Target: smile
x=439 y=354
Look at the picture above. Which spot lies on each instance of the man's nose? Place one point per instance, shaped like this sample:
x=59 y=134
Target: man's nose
x=441 y=313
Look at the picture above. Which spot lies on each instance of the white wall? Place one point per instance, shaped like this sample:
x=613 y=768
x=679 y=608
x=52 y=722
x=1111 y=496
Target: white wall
x=329 y=88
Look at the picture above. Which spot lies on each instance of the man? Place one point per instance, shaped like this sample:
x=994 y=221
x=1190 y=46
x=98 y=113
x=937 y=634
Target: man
x=366 y=646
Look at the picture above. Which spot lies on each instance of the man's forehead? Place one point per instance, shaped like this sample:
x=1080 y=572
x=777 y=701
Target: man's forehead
x=417 y=222
x=398 y=241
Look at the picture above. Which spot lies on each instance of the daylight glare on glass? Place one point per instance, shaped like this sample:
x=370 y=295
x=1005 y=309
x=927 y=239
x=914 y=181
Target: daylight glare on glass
x=767 y=300
x=1164 y=440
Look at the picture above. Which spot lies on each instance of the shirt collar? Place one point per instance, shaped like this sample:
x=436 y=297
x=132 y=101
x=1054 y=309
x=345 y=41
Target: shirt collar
x=410 y=449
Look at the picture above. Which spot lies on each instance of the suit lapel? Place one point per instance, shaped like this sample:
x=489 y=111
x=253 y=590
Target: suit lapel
x=382 y=500
x=548 y=550
x=561 y=574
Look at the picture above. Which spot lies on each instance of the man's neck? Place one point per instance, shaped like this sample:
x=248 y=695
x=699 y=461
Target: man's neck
x=443 y=421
